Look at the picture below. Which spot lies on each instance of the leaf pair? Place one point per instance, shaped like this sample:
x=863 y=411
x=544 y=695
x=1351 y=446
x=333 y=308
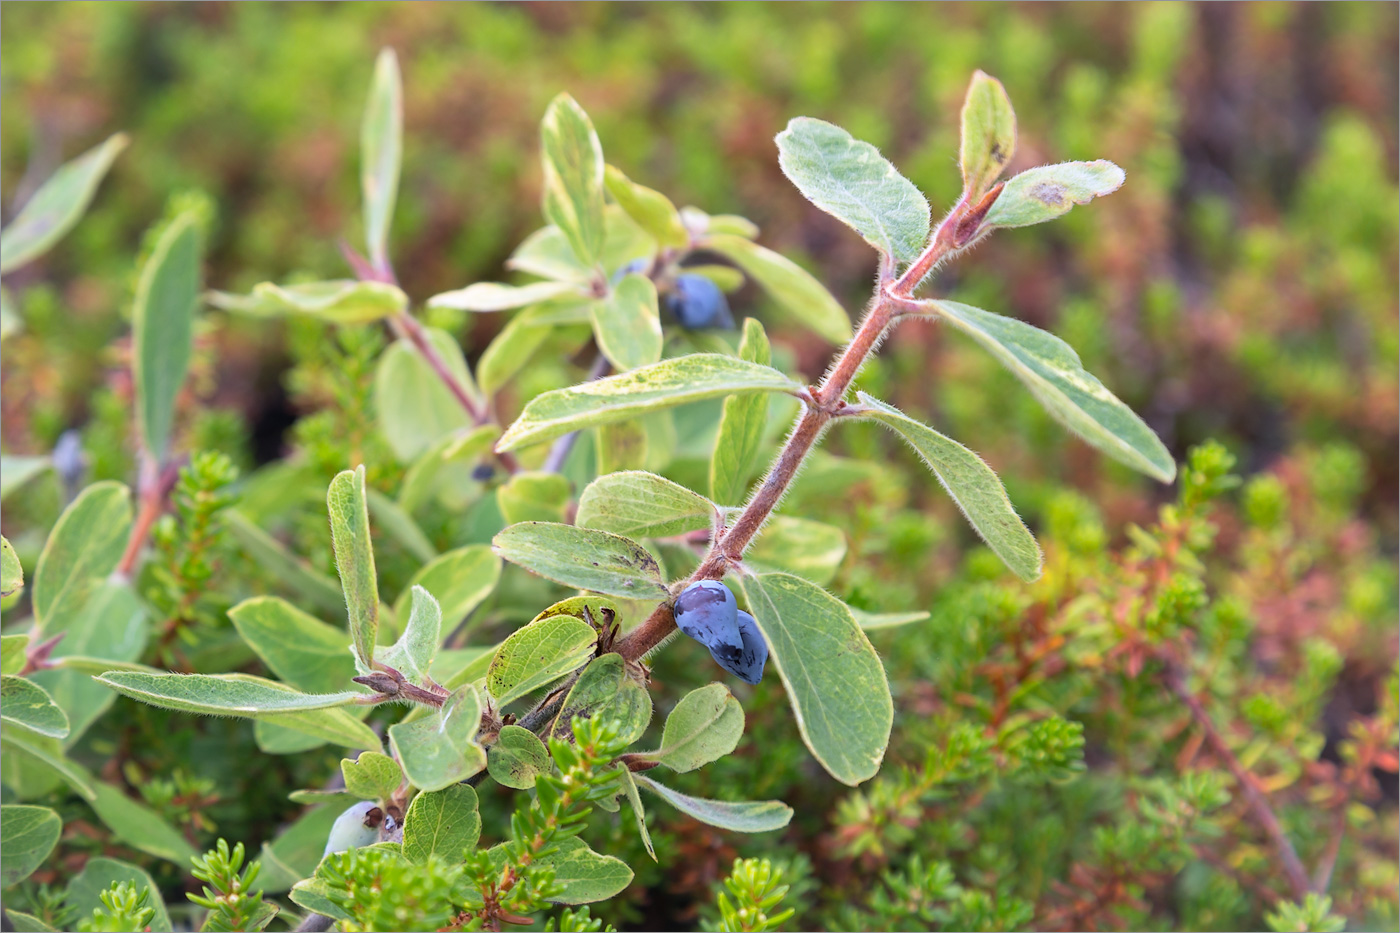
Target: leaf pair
x=851 y=181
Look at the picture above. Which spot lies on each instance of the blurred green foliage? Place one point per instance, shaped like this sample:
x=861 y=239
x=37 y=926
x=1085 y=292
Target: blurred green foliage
x=1242 y=286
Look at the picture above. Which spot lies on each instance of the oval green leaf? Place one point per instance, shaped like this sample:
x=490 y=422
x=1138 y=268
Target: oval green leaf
x=705 y=726
x=27 y=704
x=443 y=822
x=971 y=484
x=381 y=146
x=573 y=177
x=661 y=385
x=354 y=559
x=1040 y=194
x=988 y=135
x=741 y=426
x=1052 y=371
x=30 y=833
x=537 y=655
x=300 y=649
x=852 y=182
x=583 y=558
x=605 y=689
x=440 y=750
x=371 y=776
x=221 y=694
x=517 y=758
x=750 y=816
x=637 y=504
x=162 y=322
x=627 y=324
x=834 y=679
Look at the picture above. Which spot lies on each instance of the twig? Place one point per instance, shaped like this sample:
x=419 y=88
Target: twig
x=1258 y=804
x=155 y=486
x=406 y=326
x=1322 y=874
x=559 y=453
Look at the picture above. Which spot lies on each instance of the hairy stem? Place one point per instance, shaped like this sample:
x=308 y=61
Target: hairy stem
x=155 y=485
x=1258 y=803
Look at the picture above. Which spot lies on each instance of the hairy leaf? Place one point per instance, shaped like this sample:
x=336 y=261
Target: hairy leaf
x=354 y=559
x=221 y=694
x=538 y=654
x=28 y=704
x=1052 y=371
x=971 y=483
x=1040 y=194
x=11 y=573
x=705 y=726
x=371 y=776
x=518 y=757
x=300 y=649
x=338 y=301
x=441 y=749
x=30 y=833
x=750 y=816
x=162 y=322
x=637 y=504
x=573 y=177
x=583 y=558
x=627 y=324
x=494 y=296
x=833 y=677
x=606 y=690
x=585 y=875
x=56 y=207
x=413 y=653
x=988 y=134
x=852 y=182
x=627 y=395
x=444 y=822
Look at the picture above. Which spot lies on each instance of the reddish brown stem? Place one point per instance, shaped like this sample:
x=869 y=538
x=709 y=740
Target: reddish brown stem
x=1258 y=803
x=155 y=485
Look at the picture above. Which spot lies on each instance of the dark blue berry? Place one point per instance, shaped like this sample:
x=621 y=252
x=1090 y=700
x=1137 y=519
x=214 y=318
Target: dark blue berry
x=748 y=667
x=482 y=472
x=706 y=611
x=697 y=303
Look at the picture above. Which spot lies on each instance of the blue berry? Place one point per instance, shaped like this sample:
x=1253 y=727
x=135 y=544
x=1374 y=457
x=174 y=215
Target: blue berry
x=483 y=472
x=748 y=667
x=706 y=611
x=696 y=303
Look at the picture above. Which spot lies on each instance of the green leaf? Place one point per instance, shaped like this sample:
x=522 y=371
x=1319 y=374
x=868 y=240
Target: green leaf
x=98 y=876
x=271 y=556
x=741 y=426
x=439 y=750
x=439 y=468
x=301 y=650
x=221 y=694
x=444 y=822
x=296 y=851
x=314 y=895
x=622 y=445
x=12 y=657
x=517 y=758
x=29 y=705
x=583 y=558
x=810 y=549
x=791 y=286
x=537 y=654
x=413 y=407
x=139 y=826
x=534 y=496
x=413 y=653
x=1052 y=371
x=1040 y=194
x=833 y=677
x=585 y=875
x=971 y=484
x=337 y=301
x=16 y=471
x=852 y=182
x=57 y=206
x=628 y=395
x=461 y=580
x=49 y=753
x=705 y=726
x=30 y=833
x=371 y=776
x=162 y=322
x=634 y=800
x=82 y=550
x=547 y=254
x=354 y=559
x=627 y=324
x=339 y=727
x=27 y=923
x=494 y=296
x=111 y=624
x=606 y=690
x=509 y=351
x=643 y=505
x=399 y=525
x=11 y=573
x=381 y=146
x=651 y=209
x=752 y=816
x=878 y=620
x=573 y=177
x=700 y=223
x=988 y=135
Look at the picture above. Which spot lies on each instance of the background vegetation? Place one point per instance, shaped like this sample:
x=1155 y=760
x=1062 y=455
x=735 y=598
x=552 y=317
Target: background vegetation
x=1044 y=772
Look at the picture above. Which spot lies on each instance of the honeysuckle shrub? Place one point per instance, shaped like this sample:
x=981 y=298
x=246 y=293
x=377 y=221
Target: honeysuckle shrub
x=567 y=528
